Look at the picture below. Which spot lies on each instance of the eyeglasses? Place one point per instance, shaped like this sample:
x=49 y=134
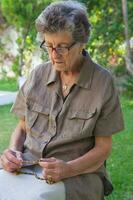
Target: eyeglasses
x=25 y=163
x=30 y=173
x=59 y=50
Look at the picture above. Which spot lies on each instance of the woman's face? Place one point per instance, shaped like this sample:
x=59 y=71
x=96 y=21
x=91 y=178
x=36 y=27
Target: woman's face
x=72 y=56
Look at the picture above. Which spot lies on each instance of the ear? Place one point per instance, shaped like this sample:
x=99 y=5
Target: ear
x=82 y=46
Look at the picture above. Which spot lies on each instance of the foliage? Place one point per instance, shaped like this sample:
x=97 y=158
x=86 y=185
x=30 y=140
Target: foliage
x=119 y=70
x=108 y=33
x=15 y=65
x=22 y=15
x=106 y=43
x=2 y=51
x=128 y=85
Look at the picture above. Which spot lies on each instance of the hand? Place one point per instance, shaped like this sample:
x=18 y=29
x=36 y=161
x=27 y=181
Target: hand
x=11 y=160
x=55 y=168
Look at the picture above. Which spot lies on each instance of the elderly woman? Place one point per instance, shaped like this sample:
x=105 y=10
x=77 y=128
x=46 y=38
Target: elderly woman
x=68 y=110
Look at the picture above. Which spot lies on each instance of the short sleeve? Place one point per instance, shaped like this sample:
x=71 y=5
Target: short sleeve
x=19 y=107
x=110 y=120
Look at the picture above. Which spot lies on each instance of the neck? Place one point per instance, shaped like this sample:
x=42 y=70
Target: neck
x=67 y=81
x=69 y=73
x=68 y=77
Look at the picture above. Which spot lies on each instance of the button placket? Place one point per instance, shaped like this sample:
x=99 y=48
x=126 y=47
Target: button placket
x=52 y=125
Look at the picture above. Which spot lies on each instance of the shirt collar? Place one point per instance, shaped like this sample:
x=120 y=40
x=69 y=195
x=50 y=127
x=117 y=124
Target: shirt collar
x=53 y=75
x=85 y=77
x=86 y=73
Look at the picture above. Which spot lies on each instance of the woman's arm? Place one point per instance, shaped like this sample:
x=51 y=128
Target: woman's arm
x=88 y=163
x=93 y=159
x=18 y=137
x=11 y=159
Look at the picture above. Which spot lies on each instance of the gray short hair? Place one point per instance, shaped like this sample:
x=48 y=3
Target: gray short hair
x=68 y=16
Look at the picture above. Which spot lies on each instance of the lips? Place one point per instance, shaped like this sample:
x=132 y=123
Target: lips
x=58 y=62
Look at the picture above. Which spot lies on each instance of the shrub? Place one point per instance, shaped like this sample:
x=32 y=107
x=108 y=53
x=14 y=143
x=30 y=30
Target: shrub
x=128 y=85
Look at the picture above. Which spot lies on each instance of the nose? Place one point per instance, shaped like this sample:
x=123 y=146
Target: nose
x=55 y=54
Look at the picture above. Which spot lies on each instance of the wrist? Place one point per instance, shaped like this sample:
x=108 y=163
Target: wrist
x=15 y=148
x=72 y=170
x=16 y=153
x=66 y=171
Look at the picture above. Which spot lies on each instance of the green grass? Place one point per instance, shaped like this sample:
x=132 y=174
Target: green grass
x=8 y=85
x=7 y=125
x=120 y=163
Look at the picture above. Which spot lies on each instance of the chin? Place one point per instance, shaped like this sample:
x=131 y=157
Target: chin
x=60 y=67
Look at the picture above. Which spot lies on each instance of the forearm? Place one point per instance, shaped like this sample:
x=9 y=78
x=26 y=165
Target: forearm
x=87 y=163
x=18 y=137
x=92 y=160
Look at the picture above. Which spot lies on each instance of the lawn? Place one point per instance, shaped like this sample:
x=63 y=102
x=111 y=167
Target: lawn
x=120 y=163
x=7 y=124
x=8 y=84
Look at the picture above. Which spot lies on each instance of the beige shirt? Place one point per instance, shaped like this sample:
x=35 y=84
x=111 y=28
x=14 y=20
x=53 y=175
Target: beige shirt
x=66 y=129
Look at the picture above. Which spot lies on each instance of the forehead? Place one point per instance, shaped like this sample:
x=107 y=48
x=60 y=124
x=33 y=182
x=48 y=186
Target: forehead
x=58 y=37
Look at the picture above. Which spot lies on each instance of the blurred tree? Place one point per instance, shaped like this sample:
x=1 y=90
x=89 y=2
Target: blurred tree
x=107 y=38
x=1 y=18
x=128 y=56
x=22 y=14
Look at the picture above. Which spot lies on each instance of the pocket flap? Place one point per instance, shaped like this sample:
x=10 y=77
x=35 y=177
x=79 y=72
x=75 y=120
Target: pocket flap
x=39 y=108
x=81 y=114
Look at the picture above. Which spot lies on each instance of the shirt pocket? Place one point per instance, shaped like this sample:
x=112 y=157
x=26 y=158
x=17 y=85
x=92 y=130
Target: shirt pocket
x=37 y=119
x=79 y=123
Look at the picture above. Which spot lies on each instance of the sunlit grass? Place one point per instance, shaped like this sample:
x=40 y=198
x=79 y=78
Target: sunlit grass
x=7 y=125
x=8 y=84
x=120 y=164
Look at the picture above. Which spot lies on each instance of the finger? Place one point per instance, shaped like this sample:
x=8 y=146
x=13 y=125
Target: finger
x=19 y=155
x=13 y=157
x=9 y=161
x=52 y=173
x=47 y=164
x=8 y=166
x=49 y=172
x=52 y=159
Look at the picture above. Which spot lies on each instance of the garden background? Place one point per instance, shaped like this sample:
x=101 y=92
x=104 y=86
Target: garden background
x=110 y=44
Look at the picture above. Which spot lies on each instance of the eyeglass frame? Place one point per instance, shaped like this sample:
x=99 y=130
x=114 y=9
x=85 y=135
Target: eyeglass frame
x=29 y=163
x=56 y=48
